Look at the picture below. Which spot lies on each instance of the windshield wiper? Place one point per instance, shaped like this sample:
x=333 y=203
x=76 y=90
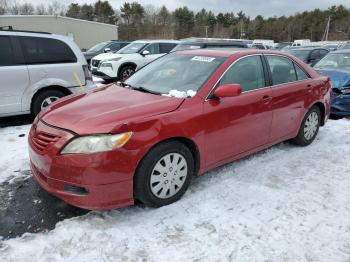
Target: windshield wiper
x=145 y=90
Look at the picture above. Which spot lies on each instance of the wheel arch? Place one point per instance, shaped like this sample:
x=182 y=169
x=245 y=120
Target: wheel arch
x=189 y=143
x=322 y=108
x=126 y=64
x=64 y=90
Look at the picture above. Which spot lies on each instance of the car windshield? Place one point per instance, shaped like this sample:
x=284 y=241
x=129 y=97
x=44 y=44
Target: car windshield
x=176 y=74
x=97 y=47
x=336 y=61
x=301 y=54
x=345 y=46
x=132 y=48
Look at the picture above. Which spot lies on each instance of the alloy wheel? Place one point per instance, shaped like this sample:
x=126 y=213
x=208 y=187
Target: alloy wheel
x=48 y=101
x=311 y=125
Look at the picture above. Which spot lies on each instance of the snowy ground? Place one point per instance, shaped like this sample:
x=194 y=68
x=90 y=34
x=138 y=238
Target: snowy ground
x=284 y=204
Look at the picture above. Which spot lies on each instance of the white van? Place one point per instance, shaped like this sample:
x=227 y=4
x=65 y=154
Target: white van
x=301 y=42
x=36 y=69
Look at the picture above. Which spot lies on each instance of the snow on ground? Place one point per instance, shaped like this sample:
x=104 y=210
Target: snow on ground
x=286 y=203
x=13 y=151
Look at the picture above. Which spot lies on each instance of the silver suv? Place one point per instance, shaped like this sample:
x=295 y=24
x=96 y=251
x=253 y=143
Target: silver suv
x=36 y=69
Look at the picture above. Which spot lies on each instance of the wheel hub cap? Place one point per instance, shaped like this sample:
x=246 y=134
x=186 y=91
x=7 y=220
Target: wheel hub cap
x=310 y=126
x=48 y=101
x=168 y=175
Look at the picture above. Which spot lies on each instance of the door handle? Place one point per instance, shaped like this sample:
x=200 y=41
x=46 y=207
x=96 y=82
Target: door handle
x=266 y=99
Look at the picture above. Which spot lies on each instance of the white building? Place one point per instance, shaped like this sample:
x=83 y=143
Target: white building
x=85 y=33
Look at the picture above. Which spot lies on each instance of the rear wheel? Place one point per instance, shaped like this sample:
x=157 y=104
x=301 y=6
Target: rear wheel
x=309 y=127
x=44 y=99
x=164 y=174
x=126 y=72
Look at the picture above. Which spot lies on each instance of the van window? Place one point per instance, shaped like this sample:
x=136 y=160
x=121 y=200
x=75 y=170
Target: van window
x=38 y=50
x=166 y=47
x=6 y=52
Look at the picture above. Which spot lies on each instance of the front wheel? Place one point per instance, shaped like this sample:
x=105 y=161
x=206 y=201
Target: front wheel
x=126 y=72
x=164 y=174
x=309 y=127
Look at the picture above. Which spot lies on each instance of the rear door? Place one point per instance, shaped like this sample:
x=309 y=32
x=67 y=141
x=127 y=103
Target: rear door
x=51 y=62
x=242 y=123
x=13 y=75
x=290 y=89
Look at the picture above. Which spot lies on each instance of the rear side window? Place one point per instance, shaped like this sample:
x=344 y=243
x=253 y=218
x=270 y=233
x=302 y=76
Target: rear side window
x=6 y=52
x=166 y=47
x=153 y=48
x=282 y=69
x=248 y=72
x=301 y=75
x=114 y=46
x=38 y=50
x=323 y=52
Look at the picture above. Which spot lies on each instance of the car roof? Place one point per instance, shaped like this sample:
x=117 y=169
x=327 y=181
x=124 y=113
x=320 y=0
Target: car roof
x=229 y=52
x=341 y=51
x=308 y=48
x=157 y=41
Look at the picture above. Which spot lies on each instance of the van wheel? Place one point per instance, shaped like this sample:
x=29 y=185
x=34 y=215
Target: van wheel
x=309 y=127
x=44 y=99
x=164 y=174
x=126 y=72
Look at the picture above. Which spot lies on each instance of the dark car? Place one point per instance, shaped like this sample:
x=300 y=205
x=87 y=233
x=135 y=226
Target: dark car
x=209 y=44
x=104 y=47
x=336 y=65
x=310 y=55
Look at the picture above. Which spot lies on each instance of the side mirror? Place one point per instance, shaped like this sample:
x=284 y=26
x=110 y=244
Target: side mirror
x=107 y=50
x=145 y=52
x=228 y=90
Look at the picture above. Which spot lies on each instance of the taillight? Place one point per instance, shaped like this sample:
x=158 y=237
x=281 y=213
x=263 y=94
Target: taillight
x=87 y=73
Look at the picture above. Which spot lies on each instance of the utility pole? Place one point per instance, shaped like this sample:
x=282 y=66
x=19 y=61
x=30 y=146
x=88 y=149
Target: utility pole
x=206 y=31
x=326 y=31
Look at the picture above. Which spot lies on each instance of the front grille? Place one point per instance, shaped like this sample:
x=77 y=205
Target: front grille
x=95 y=63
x=43 y=140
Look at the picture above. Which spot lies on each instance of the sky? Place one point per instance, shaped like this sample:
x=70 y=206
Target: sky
x=253 y=8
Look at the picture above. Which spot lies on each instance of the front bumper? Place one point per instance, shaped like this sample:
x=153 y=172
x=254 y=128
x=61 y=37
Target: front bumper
x=340 y=105
x=92 y=181
x=103 y=75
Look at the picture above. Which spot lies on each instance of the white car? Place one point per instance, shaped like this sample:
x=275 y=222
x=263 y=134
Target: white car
x=122 y=64
x=36 y=69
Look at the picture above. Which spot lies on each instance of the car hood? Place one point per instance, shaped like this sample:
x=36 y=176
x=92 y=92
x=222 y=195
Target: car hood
x=106 y=56
x=105 y=109
x=340 y=78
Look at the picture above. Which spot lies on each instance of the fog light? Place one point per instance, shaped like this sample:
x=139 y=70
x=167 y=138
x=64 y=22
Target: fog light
x=75 y=190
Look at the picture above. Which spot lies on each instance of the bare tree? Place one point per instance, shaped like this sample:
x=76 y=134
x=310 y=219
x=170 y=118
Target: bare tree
x=41 y=9
x=4 y=6
x=26 y=9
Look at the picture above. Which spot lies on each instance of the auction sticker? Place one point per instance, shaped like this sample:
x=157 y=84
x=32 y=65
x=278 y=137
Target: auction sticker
x=203 y=59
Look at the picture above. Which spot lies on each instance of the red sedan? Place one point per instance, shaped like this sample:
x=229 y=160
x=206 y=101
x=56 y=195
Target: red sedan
x=182 y=115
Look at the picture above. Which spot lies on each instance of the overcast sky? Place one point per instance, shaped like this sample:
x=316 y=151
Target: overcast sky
x=250 y=7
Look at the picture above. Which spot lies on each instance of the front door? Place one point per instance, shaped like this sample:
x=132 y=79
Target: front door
x=242 y=123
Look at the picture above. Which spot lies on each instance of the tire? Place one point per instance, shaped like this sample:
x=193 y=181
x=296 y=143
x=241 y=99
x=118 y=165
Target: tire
x=39 y=101
x=152 y=193
x=305 y=138
x=126 y=72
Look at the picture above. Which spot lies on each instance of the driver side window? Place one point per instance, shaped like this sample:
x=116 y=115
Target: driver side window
x=248 y=72
x=153 y=48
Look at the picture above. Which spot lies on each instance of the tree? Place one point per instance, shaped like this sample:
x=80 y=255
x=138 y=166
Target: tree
x=41 y=9
x=164 y=16
x=86 y=12
x=184 y=20
x=26 y=9
x=104 y=12
x=4 y=6
x=73 y=10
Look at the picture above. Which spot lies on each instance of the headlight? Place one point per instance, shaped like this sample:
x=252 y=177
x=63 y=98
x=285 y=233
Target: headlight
x=96 y=143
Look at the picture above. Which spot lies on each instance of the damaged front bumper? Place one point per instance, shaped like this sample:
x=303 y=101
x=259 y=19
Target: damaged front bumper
x=340 y=102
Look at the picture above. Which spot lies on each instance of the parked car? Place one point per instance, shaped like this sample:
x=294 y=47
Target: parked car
x=260 y=46
x=123 y=64
x=331 y=47
x=36 y=69
x=345 y=46
x=104 y=47
x=182 y=115
x=212 y=44
x=310 y=55
x=336 y=65
x=280 y=46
